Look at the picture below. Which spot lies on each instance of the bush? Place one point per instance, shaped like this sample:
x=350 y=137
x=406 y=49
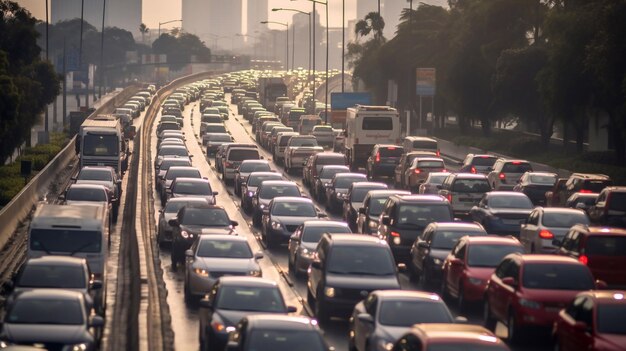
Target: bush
x=9 y=187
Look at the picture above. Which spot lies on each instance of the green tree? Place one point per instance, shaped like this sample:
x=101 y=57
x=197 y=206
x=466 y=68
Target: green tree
x=143 y=29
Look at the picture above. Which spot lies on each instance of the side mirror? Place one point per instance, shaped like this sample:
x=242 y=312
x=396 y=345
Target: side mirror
x=292 y=309
x=96 y=322
x=173 y=222
x=460 y=320
x=258 y=255
x=188 y=253
x=206 y=303
x=365 y=318
x=234 y=223
x=95 y=284
x=509 y=281
x=215 y=193
x=362 y=210
x=386 y=220
x=317 y=264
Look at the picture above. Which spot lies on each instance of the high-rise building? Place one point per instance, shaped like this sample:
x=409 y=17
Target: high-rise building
x=216 y=22
x=195 y=15
x=125 y=14
x=257 y=12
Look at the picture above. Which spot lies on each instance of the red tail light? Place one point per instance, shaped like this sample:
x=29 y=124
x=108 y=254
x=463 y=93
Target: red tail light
x=395 y=234
x=585 y=191
x=438 y=153
x=449 y=198
x=473 y=170
x=378 y=157
x=417 y=171
x=546 y=234
x=583 y=259
x=502 y=176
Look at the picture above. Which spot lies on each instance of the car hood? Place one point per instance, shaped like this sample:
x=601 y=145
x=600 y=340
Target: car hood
x=391 y=333
x=72 y=202
x=364 y=282
x=482 y=273
x=167 y=216
x=234 y=265
x=198 y=229
x=231 y=318
x=311 y=246
x=291 y=219
x=44 y=333
x=107 y=184
x=439 y=253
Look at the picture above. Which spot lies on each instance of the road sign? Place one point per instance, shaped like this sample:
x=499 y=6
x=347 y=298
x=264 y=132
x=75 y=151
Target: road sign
x=425 y=79
x=341 y=101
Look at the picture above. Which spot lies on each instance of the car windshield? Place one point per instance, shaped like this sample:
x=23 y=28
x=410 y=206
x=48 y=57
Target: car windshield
x=436 y=179
x=377 y=123
x=516 y=168
x=466 y=346
x=165 y=165
x=610 y=319
x=243 y=154
x=345 y=182
x=430 y=164
x=248 y=167
x=52 y=276
x=551 y=276
x=219 y=137
x=425 y=144
x=489 y=255
x=294 y=209
x=313 y=234
x=285 y=340
x=471 y=186
x=606 y=246
x=376 y=205
x=520 y=202
x=174 y=206
x=250 y=298
x=85 y=194
x=322 y=129
x=328 y=173
x=332 y=160
x=617 y=201
x=256 y=180
x=361 y=260
x=215 y=129
x=303 y=142
x=543 y=179
x=596 y=186
x=224 y=249
x=564 y=220
x=45 y=311
x=284 y=140
x=446 y=239
x=420 y=215
x=483 y=161
x=407 y=313
x=65 y=240
x=192 y=188
x=100 y=145
x=93 y=174
x=182 y=173
x=175 y=151
x=358 y=194
x=206 y=217
x=390 y=151
x=273 y=191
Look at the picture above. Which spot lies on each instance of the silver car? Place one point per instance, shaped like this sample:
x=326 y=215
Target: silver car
x=215 y=255
x=431 y=185
x=164 y=231
x=304 y=240
x=544 y=225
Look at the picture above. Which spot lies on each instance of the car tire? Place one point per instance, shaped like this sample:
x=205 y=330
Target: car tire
x=488 y=320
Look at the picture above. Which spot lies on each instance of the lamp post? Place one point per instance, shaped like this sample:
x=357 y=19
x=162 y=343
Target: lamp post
x=293 y=35
x=325 y=3
x=286 y=40
x=166 y=22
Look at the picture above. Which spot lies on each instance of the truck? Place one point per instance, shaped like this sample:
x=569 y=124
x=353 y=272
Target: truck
x=269 y=89
x=367 y=126
x=101 y=142
x=339 y=104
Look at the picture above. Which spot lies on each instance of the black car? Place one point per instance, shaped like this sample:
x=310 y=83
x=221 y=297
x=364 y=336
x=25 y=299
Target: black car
x=337 y=189
x=268 y=190
x=430 y=249
x=354 y=200
x=194 y=220
x=231 y=299
x=346 y=268
x=369 y=213
x=245 y=168
x=318 y=188
x=277 y=333
x=502 y=212
x=383 y=161
x=283 y=216
x=404 y=217
x=535 y=185
x=249 y=187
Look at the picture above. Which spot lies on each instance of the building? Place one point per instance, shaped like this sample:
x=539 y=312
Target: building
x=257 y=12
x=194 y=15
x=65 y=10
x=216 y=22
x=125 y=14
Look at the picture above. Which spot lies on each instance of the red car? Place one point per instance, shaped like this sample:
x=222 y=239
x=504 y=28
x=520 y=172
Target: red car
x=528 y=291
x=471 y=263
x=602 y=249
x=593 y=321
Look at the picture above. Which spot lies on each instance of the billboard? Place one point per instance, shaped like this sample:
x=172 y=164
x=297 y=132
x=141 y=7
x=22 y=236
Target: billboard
x=425 y=79
x=341 y=101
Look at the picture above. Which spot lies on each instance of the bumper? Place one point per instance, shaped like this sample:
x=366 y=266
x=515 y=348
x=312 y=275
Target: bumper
x=198 y=285
x=278 y=235
x=338 y=306
x=384 y=170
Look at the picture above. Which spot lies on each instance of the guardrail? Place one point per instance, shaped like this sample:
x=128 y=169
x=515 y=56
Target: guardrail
x=21 y=205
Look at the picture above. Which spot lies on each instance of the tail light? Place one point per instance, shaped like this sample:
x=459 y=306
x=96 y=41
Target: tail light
x=546 y=234
x=585 y=191
x=583 y=259
x=502 y=176
x=473 y=170
x=449 y=197
x=395 y=234
x=438 y=153
x=377 y=157
x=417 y=171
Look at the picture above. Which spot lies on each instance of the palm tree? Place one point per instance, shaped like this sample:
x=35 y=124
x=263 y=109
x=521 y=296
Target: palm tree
x=372 y=23
x=144 y=30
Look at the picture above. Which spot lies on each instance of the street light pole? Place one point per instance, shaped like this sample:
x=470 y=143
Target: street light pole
x=343 y=42
x=293 y=49
x=286 y=25
x=166 y=22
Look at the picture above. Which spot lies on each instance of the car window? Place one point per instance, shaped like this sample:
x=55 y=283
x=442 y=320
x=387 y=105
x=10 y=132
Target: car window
x=224 y=249
x=51 y=276
x=46 y=311
x=328 y=172
x=358 y=194
x=510 y=202
x=420 y=215
x=407 y=313
x=313 y=234
x=377 y=123
x=250 y=298
x=273 y=191
x=243 y=154
x=490 y=255
x=617 y=201
x=361 y=260
x=610 y=319
x=471 y=186
x=254 y=167
x=85 y=194
x=192 y=188
x=345 y=182
x=606 y=246
x=543 y=179
x=563 y=220
x=294 y=209
x=370 y=304
x=256 y=180
x=376 y=205
x=516 y=168
x=447 y=239
x=557 y=277
x=209 y=217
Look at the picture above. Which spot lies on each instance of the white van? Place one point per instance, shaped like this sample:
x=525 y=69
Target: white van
x=416 y=143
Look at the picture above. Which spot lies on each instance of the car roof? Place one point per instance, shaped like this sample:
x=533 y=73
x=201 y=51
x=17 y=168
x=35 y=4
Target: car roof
x=57 y=261
x=262 y=173
x=221 y=237
x=98 y=168
x=545 y=258
x=419 y=198
x=281 y=322
x=254 y=161
x=278 y=182
x=87 y=186
x=292 y=199
x=509 y=160
x=369 y=185
x=403 y=294
x=467 y=175
x=389 y=145
x=564 y=210
x=196 y=180
x=350 y=175
x=428 y=159
x=50 y=294
x=247 y=281
x=456 y=333
x=182 y=168
x=492 y=239
x=455 y=225
x=387 y=192
x=505 y=193
x=542 y=173
x=323 y=223
x=356 y=239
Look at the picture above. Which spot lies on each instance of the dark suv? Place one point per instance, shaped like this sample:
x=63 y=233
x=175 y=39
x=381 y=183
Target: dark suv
x=404 y=217
x=474 y=163
x=347 y=267
x=610 y=207
x=383 y=161
x=577 y=183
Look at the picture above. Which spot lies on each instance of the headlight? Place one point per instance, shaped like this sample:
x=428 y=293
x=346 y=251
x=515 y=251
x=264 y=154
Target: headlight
x=530 y=304
x=397 y=240
x=250 y=194
x=201 y=272
x=255 y=273
x=329 y=292
x=437 y=261
x=184 y=234
x=4 y=344
x=341 y=195
x=78 y=347
x=475 y=281
x=275 y=225
x=373 y=224
x=306 y=253
x=385 y=345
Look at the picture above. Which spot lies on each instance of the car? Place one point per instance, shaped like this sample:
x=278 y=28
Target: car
x=282 y=139
x=544 y=225
x=325 y=135
x=193 y=220
x=477 y=163
x=231 y=299
x=163 y=126
x=215 y=140
x=432 y=183
x=505 y=173
x=435 y=336
x=592 y=321
x=384 y=315
x=298 y=149
x=77 y=194
x=51 y=318
x=383 y=161
x=171 y=141
x=191 y=187
x=470 y=264
x=418 y=171
x=337 y=189
x=249 y=187
x=404 y=217
x=303 y=242
x=464 y=191
x=277 y=332
x=169 y=211
x=535 y=185
x=233 y=157
x=502 y=212
x=417 y=143
x=610 y=207
x=102 y=175
x=528 y=291
x=368 y=217
x=345 y=269
x=266 y=191
x=58 y=272
x=210 y=118
x=323 y=177
x=174 y=172
x=171 y=150
x=316 y=162
x=576 y=183
x=270 y=142
x=283 y=215
x=245 y=168
x=431 y=248
x=213 y=256
x=582 y=201
x=165 y=164
x=404 y=163
x=354 y=200
x=602 y=249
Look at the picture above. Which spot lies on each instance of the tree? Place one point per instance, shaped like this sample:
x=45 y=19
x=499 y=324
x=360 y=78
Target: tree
x=143 y=29
x=373 y=23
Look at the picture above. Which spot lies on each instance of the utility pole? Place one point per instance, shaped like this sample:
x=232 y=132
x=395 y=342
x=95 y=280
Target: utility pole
x=46 y=127
x=101 y=68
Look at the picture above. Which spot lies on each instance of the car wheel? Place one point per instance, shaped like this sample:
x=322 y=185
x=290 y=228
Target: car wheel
x=514 y=332
x=489 y=321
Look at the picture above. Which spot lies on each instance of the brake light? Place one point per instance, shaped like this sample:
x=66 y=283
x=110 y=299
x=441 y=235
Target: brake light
x=502 y=176
x=546 y=234
x=473 y=170
x=583 y=259
x=438 y=153
x=378 y=157
x=449 y=198
x=516 y=162
x=585 y=191
x=395 y=234
x=417 y=171
x=391 y=148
